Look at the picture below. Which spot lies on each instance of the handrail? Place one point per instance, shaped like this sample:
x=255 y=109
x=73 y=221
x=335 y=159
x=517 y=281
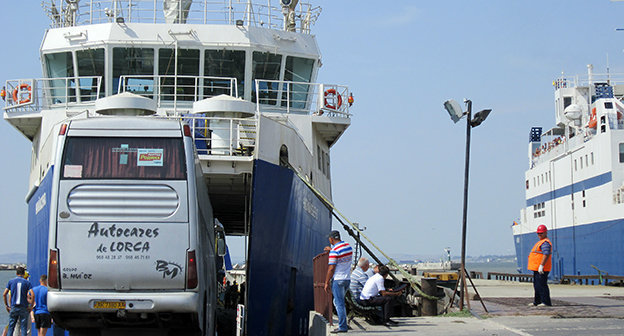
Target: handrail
x=35 y=94
x=221 y=136
x=301 y=98
x=172 y=88
x=267 y=14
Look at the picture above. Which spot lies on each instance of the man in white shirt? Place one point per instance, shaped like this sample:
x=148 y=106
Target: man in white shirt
x=374 y=293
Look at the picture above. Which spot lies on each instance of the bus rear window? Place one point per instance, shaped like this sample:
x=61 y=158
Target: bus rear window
x=124 y=158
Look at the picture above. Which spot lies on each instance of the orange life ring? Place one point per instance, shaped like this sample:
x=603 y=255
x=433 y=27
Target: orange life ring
x=339 y=99
x=20 y=89
x=592 y=119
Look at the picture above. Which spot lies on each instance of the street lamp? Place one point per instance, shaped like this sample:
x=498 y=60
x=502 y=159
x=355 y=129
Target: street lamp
x=455 y=111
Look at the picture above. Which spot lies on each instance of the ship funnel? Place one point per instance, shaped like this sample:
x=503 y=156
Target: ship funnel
x=125 y=104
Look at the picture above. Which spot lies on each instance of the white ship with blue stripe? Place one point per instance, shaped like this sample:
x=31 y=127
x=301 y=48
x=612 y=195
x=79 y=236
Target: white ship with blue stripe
x=575 y=181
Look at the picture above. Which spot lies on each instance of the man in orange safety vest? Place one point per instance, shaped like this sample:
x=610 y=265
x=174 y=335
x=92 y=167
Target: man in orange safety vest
x=540 y=262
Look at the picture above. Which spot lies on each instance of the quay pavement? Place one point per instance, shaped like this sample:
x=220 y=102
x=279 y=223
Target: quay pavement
x=576 y=310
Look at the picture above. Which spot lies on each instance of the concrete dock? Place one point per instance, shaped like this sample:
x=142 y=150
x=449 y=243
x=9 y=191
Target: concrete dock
x=576 y=310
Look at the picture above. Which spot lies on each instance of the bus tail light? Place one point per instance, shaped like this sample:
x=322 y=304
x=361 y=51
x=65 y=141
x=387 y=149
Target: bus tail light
x=187 y=130
x=63 y=129
x=191 y=270
x=53 y=274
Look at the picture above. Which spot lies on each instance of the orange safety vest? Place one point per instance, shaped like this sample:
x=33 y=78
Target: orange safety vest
x=535 y=257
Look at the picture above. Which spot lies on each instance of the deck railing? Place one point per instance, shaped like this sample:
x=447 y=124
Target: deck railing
x=267 y=13
x=170 y=90
x=302 y=98
x=223 y=136
x=32 y=95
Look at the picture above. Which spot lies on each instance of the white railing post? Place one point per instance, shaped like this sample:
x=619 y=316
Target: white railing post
x=321 y=97
x=231 y=137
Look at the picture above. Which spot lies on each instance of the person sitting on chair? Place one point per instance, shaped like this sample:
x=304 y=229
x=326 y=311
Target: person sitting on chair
x=374 y=293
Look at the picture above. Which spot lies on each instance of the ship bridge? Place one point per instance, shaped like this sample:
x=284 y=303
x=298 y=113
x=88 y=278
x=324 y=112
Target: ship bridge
x=221 y=66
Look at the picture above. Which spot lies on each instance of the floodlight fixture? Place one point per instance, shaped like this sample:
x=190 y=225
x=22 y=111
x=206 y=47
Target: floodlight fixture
x=454 y=110
x=480 y=117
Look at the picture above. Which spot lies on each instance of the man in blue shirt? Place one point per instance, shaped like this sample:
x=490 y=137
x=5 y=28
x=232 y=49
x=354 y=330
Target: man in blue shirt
x=42 y=317
x=21 y=301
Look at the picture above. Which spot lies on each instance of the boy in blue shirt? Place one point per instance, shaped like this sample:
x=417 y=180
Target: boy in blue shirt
x=41 y=315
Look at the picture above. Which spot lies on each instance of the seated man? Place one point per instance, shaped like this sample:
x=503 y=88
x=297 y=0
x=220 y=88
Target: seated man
x=358 y=279
x=374 y=293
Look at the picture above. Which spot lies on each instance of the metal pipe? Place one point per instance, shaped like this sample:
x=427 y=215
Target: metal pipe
x=465 y=213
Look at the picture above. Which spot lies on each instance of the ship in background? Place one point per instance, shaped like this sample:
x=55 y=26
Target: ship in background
x=242 y=75
x=575 y=181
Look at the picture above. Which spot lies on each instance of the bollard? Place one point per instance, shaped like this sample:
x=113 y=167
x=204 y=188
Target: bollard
x=429 y=287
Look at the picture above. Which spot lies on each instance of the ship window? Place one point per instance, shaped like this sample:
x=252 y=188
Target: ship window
x=567 y=101
x=223 y=63
x=527 y=184
x=581 y=161
x=60 y=65
x=188 y=65
x=297 y=70
x=608 y=105
x=621 y=152
x=327 y=164
x=266 y=66
x=592 y=158
x=137 y=65
x=586 y=161
x=574 y=165
x=318 y=157
x=90 y=63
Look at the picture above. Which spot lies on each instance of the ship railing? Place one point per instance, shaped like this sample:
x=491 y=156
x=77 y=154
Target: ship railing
x=220 y=136
x=302 y=98
x=585 y=80
x=267 y=13
x=35 y=94
x=171 y=91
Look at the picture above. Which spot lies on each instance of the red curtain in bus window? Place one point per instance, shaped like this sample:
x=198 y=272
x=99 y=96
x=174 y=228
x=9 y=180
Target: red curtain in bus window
x=120 y=158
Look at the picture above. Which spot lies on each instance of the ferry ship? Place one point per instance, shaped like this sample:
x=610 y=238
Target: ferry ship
x=575 y=181
x=242 y=75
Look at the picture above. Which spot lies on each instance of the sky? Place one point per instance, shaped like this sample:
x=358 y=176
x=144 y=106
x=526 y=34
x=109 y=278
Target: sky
x=399 y=168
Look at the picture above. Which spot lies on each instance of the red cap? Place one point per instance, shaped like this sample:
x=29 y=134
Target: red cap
x=541 y=229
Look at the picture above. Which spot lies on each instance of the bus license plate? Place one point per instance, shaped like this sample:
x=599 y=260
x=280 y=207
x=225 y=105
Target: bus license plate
x=109 y=305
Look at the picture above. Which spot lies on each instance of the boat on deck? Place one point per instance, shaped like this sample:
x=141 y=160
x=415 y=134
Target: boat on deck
x=575 y=181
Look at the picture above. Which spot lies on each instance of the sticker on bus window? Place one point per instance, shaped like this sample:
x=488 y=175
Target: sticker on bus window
x=150 y=157
x=74 y=171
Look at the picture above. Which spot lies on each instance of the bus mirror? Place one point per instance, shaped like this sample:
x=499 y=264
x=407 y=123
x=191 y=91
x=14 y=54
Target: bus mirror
x=221 y=250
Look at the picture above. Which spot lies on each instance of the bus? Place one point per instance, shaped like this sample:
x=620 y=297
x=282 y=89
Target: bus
x=131 y=235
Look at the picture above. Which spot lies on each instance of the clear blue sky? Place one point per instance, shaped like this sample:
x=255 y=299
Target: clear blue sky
x=399 y=168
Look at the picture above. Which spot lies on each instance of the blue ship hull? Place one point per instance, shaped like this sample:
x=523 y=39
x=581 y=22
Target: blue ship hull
x=38 y=229
x=289 y=226
x=577 y=248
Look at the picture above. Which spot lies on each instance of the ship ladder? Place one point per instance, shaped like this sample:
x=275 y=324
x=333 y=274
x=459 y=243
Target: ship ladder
x=350 y=228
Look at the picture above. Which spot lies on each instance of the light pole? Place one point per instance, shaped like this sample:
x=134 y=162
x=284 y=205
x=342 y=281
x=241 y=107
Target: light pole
x=455 y=111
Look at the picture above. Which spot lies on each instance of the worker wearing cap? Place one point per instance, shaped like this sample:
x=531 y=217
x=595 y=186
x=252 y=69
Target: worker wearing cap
x=340 y=259
x=540 y=263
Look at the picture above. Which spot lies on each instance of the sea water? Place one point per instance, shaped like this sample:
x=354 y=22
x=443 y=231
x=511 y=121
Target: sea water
x=5 y=276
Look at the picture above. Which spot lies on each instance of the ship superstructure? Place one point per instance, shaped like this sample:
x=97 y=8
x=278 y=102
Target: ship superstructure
x=575 y=181
x=242 y=75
